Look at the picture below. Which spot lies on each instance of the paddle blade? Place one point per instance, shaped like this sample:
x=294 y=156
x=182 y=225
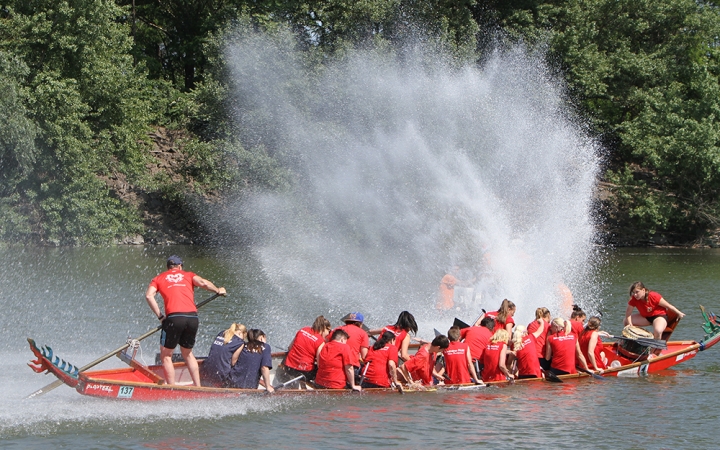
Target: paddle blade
x=437 y=333
x=460 y=324
x=46 y=389
x=653 y=343
x=551 y=377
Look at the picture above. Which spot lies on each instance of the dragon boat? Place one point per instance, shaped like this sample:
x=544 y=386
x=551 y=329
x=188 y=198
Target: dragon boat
x=145 y=382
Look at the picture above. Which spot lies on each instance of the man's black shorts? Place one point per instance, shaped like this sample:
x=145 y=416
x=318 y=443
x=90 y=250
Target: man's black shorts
x=179 y=328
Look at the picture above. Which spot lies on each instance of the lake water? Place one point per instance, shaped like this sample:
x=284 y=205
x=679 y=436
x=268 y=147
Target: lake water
x=85 y=302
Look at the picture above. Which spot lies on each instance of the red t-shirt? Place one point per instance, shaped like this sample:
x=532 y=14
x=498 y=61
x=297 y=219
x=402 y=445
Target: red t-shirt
x=576 y=327
x=301 y=355
x=334 y=356
x=651 y=307
x=358 y=339
x=377 y=371
x=177 y=290
x=398 y=332
x=528 y=362
x=585 y=344
x=456 y=365
x=563 y=351
x=540 y=340
x=499 y=325
x=477 y=338
x=421 y=364
x=399 y=335
x=491 y=362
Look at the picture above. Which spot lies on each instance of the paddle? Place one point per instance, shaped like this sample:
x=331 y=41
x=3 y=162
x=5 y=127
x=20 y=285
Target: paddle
x=551 y=377
x=460 y=324
x=592 y=374
x=289 y=382
x=647 y=342
x=57 y=383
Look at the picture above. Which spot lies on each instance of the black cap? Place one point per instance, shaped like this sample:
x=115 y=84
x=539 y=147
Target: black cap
x=174 y=260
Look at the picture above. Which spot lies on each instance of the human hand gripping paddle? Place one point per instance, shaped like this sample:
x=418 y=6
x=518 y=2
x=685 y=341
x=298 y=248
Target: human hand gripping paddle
x=57 y=383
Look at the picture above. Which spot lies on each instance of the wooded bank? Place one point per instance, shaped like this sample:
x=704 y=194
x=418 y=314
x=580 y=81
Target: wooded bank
x=114 y=126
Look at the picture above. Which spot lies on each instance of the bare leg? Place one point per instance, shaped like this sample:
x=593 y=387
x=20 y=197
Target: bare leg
x=659 y=326
x=192 y=364
x=166 y=358
x=638 y=321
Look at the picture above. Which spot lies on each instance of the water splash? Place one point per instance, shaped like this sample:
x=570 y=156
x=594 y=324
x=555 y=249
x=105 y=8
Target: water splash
x=406 y=165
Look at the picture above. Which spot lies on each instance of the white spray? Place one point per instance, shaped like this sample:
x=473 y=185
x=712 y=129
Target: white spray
x=405 y=166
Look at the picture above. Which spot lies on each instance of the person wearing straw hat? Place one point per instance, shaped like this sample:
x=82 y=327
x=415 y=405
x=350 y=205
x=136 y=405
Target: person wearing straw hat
x=180 y=320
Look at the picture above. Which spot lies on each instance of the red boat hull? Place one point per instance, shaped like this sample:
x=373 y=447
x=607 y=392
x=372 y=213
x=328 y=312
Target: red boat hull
x=145 y=383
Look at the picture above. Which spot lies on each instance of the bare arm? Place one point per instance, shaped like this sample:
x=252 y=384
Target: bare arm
x=579 y=356
x=150 y=298
x=665 y=304
x=540 y=329
x=265 y=370
x=207 y=285
x=317 y=354
x=502 y=363
x=363 y=353
x=236 y=354
x=404 y=348
x=591 y=350
x=350 y=376
x=471 y=366
x=548 y=350
x=393 y=370
x=628 y=315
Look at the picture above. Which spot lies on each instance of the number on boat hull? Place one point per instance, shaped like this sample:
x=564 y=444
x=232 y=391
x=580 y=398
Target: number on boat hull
x=125 y=392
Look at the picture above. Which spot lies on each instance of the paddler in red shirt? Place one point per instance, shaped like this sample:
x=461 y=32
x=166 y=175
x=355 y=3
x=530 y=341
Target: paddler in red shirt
x=302 y=355
x=380 y=368
x=504 y=316
x=358 y=340
x=495 y=358
x=403 y=327
x=422 y=365
x=335 y=370
x=652 y=309
x=542 y=319
x=577 y=320
x=180 y=321
x=459 y=368
x=563 y=350
x=478 y=337
x=592 y=347
x=528 y=363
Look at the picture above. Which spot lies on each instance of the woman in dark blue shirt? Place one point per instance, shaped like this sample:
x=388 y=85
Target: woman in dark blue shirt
x=255 y=359
x=224 y=353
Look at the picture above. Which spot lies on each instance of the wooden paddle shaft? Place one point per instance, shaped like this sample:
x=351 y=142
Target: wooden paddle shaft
x=58 y=383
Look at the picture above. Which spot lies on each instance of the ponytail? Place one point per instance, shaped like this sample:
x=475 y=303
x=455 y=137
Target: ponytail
x=234 y=328
x=504 y=310
x=384 y=339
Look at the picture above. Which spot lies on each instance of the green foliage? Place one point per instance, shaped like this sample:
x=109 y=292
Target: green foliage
x=88 y=101
x=17 y=130
x=83 y=81
x=646 y=74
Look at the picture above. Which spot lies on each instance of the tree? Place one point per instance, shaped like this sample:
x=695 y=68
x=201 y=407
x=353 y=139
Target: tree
x=91 y=106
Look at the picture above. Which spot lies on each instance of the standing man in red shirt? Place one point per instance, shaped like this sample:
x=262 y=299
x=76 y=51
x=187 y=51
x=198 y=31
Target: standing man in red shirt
x=180 y=321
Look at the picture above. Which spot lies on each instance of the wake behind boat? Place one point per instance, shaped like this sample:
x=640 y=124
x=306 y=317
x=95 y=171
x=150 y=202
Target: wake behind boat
x=142 y=382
